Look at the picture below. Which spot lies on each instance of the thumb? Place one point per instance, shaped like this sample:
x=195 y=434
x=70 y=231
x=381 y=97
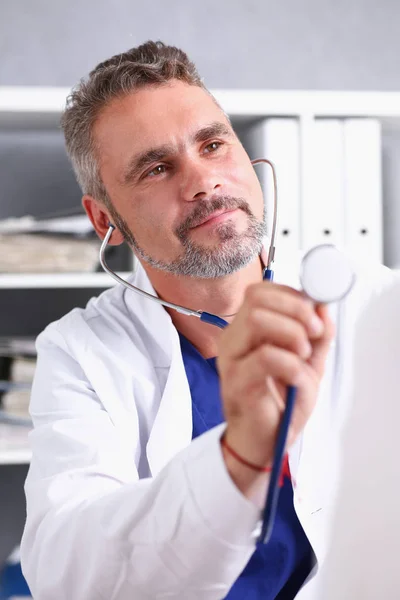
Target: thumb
x=322 y=345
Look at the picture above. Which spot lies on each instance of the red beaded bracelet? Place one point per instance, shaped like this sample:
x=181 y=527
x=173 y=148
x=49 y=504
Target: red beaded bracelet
x=243 y=460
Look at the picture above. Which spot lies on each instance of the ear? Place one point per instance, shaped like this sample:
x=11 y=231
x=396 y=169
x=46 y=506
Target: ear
x=101 y=219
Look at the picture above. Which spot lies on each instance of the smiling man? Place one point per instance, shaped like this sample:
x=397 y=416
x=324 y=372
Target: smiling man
x=154 y=432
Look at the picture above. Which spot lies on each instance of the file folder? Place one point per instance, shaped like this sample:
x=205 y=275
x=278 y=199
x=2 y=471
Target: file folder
x=322 y=210
x=281 y=145
x=363 y=189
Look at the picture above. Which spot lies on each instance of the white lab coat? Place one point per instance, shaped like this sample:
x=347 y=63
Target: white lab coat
x=121 y=505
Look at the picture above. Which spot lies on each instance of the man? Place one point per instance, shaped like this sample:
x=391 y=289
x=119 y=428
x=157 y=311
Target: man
x=150 y=462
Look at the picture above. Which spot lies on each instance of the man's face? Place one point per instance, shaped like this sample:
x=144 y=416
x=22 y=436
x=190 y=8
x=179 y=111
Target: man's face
x=183 y=190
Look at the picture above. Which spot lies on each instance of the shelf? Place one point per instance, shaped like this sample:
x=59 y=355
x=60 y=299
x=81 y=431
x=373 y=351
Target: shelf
x=32 y=99
x=247 y=104
x=58 y=280
x=15 y=457
x=14 y=445
x=253 y=103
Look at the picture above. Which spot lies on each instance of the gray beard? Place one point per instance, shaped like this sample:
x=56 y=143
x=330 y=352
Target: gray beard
x=235 y=250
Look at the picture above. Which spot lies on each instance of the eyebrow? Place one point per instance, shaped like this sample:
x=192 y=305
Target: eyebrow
x=144 y=159
x=213 y=130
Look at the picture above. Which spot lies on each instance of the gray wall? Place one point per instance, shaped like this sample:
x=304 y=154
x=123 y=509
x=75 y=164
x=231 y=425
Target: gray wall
x=309 y=44
x=285 y=44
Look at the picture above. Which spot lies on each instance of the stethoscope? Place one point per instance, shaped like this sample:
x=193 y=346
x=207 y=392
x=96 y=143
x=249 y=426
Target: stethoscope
x=326 y=275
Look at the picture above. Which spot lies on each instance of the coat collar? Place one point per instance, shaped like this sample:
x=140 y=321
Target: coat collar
x=153 y=317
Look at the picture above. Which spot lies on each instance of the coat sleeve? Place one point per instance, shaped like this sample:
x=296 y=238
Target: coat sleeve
x=95 y=531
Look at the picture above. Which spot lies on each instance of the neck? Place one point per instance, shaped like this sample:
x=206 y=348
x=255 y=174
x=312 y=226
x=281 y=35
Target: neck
x=222 y=296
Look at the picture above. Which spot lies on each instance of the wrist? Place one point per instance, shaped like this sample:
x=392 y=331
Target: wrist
x=245 y=442
x=251 y=483
x=242 y=460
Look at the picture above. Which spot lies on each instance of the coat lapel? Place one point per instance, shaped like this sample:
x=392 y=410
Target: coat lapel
x=172 y=427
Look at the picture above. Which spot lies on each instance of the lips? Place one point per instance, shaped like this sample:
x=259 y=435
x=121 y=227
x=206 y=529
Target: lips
x=213 y=215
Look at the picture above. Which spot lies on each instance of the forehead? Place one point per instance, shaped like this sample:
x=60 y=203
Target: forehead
x=152 y=116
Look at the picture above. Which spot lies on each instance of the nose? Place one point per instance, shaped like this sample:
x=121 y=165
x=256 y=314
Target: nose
x=200 y=180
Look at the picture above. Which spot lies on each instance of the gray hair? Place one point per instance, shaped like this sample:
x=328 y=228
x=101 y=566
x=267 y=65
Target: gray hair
x=152 y=63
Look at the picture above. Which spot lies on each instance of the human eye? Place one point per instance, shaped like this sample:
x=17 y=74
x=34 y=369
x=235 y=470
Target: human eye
x=212 y=147
x=157 y=170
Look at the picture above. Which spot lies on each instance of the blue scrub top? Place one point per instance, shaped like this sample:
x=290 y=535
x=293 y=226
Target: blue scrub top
x=276 y=570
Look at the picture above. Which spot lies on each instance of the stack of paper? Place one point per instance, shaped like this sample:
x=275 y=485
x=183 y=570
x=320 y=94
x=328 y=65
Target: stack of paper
x=32 y=253
x=17 y=346
x=13 y=438
x=15 y=387
x=29 y=245
x=15 y=400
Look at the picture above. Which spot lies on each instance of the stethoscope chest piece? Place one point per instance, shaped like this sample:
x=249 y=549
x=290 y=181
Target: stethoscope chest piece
x=326 y=274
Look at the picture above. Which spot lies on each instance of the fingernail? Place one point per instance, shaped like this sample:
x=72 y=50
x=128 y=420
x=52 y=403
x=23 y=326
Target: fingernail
x=316 y=325
x=298 y=382
x=307 y=350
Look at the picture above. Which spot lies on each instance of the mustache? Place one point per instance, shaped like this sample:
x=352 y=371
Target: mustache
x=206 y=207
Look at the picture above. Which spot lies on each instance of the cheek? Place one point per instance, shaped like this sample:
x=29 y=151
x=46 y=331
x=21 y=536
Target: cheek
x=240 y=170
x=244 y=177
x=152 y=218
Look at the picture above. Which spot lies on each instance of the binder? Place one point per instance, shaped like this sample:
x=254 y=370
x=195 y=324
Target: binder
x=277 y=139
x=322 y=208
x=282 y=148
x=363 y=189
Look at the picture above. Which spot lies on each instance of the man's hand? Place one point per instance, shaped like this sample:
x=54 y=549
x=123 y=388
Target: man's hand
x=278 y=338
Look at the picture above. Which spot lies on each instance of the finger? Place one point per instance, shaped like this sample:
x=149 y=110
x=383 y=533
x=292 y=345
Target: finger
x=266 y=361
x=250 y=382
x=286 y=301
x=322 y=346
x=266 y=327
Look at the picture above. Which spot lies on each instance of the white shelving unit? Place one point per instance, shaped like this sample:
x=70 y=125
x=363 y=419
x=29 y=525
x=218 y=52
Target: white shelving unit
x=41 y=107
x=37 y=106
x=57 y=280
x=237 y=103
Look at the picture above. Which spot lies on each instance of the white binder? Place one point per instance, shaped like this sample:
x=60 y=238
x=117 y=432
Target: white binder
x=322 y=207
x=363 y=189
x=281 y=145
